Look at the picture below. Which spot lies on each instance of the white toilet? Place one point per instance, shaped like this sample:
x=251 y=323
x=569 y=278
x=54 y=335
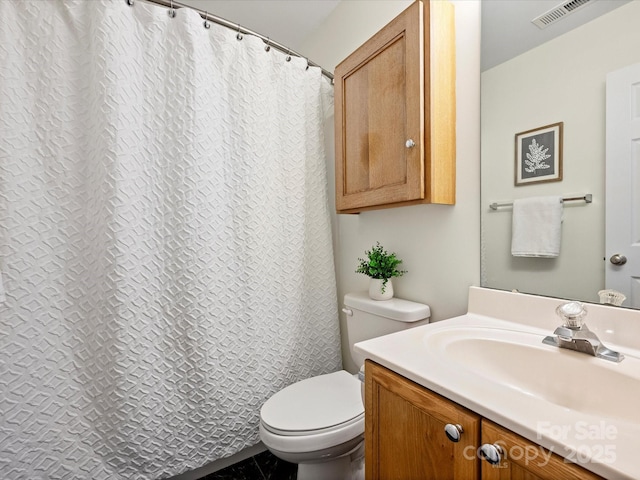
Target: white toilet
x=318 y=423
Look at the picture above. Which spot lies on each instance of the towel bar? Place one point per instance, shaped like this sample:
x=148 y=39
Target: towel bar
x=588 y=198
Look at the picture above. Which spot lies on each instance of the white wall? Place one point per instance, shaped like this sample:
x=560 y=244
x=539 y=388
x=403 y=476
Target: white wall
x=560 y=81
x=438 y=244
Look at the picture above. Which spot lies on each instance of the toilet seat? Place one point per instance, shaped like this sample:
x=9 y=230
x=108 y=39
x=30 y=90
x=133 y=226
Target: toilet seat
x=313 y=414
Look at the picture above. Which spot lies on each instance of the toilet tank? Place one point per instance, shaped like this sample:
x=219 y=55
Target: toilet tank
x=368 y=318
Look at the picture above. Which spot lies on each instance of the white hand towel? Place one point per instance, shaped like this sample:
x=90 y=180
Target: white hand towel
x=537 y=227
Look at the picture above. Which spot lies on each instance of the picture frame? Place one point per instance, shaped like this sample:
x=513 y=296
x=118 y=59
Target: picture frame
x=539 y=155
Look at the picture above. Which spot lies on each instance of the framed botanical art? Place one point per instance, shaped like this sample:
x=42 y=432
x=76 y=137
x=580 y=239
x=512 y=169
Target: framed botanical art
x=539 y=155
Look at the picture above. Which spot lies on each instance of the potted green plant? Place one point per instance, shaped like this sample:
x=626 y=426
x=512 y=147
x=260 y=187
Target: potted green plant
x=380 y=266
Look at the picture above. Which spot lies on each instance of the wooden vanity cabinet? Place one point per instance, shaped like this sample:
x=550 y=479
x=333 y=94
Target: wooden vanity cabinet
x=404 y=431
x=405 y=438
x=525 y=460
x=395 y=114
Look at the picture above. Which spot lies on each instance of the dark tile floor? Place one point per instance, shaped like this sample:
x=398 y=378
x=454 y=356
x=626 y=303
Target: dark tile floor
x=263 y=466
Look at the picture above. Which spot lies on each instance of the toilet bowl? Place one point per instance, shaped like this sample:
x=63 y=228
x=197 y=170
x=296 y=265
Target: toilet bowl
x=318 y=422
x=320 y=419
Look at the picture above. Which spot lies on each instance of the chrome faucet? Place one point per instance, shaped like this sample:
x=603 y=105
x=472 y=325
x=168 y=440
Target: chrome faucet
x=575 y=335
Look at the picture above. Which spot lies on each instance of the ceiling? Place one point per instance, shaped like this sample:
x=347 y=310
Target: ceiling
x=507 y=30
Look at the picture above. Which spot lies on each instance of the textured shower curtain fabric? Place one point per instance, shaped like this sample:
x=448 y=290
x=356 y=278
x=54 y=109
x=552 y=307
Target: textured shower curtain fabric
x=165 y=242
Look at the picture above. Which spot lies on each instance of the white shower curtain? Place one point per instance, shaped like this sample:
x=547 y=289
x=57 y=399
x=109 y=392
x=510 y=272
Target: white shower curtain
x=165 y=242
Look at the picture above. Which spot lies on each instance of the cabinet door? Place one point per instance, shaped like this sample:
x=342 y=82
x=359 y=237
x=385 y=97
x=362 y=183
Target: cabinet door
x=524 y=460
x=379 y=104
x=404 y=431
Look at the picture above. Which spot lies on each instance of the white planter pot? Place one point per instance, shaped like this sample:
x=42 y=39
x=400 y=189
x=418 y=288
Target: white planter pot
x=375 y=289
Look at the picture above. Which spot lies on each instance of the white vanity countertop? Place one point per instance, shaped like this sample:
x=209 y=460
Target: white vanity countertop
x=607 y=444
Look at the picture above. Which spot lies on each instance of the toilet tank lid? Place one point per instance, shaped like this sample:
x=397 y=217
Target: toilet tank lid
x=395 y=308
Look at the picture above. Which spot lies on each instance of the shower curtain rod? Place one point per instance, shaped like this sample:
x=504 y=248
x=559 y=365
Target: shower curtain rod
x=238 y=28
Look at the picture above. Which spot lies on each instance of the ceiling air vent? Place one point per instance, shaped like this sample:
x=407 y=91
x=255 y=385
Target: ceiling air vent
x=559 y=12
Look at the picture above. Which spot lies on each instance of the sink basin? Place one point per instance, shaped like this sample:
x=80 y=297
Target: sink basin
x=518 y=360
x=492 y=361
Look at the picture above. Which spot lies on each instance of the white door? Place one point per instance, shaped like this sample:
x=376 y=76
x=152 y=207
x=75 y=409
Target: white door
x=623 y=184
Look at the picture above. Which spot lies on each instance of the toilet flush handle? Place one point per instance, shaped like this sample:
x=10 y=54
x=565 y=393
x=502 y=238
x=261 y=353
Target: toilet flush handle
x=348 y=311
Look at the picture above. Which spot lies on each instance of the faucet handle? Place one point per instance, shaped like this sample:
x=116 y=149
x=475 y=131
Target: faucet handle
x=572 y=314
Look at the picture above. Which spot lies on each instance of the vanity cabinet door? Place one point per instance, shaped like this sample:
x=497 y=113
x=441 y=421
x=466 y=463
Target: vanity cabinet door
x=405 y=431
x=525 y=460
x=395 y=114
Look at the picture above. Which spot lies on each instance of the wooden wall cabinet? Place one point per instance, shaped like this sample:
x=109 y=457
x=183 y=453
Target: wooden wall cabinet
x=395 y=114
x=405 y=438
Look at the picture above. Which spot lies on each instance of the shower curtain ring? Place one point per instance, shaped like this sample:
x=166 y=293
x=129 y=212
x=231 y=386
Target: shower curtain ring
x=206 y=23
x=288 y=59
x=239 y=35
x=267 y=46
x=171 y=12
x=130 y=2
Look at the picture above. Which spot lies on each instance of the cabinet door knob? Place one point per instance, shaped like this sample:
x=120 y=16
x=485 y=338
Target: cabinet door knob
x=410 y=143
x=491 y=453
x=453 y=432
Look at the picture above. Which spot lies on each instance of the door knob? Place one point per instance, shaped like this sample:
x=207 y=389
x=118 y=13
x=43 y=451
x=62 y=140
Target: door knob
x=618 y=259
x=410 y=143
